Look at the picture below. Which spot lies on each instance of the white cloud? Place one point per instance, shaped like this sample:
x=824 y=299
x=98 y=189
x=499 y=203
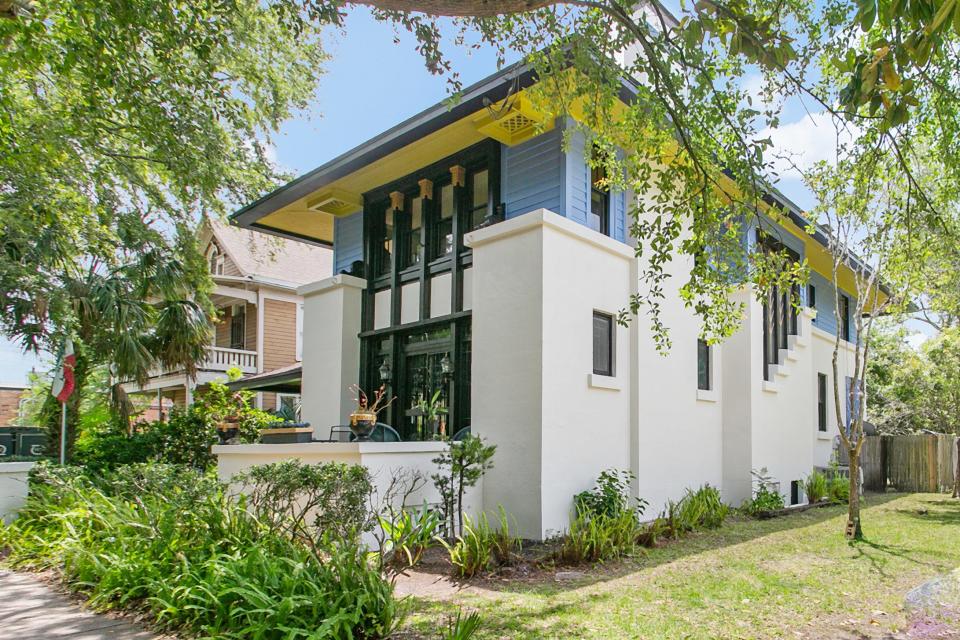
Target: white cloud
x=805 y=142
x=916 y=340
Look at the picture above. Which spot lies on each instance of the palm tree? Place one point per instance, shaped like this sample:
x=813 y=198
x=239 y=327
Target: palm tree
x=145 y=312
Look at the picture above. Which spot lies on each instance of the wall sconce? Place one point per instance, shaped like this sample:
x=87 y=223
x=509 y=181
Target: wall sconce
x=385 y=373
x=446 y=365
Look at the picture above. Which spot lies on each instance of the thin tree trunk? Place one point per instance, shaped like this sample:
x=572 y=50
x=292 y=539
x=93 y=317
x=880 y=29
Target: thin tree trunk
x=956 y=473
x=854 y=531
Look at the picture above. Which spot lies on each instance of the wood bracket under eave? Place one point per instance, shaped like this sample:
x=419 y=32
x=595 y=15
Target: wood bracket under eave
x=458 y=175
x=396 y=200
x=426 y=188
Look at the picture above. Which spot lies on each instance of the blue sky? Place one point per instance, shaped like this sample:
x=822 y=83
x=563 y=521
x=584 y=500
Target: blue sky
x=372 y=83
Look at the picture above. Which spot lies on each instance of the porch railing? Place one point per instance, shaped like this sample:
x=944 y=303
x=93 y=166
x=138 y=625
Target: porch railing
x=221 y=359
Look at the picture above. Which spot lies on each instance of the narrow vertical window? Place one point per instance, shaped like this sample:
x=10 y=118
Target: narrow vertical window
x=822 y=402
x=237 y=326
x=843 y=317
x=602 y=344
x=444 y=227
x=812 y=298
x=384 y=242
x=479 y=197
x=599 y=201
x=412 y=232
x=703 y=365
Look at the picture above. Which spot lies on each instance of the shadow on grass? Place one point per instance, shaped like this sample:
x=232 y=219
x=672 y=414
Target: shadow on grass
x=541 y=580
x=944 y=511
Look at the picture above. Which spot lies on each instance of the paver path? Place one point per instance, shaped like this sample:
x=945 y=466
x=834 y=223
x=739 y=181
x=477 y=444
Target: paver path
x=31 y=610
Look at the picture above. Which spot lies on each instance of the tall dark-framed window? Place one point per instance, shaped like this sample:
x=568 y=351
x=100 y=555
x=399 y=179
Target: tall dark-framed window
x=238 y=323
x=811 y=296
x=843 y=317
x=599 y=201
x=443 y=227
x=411 y=243
x=703 y=365
x=383 y=239
x=603 y=343
x=821 y=402
x=479 y=198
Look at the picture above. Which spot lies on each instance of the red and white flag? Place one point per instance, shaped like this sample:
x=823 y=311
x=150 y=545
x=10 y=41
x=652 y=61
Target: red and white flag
x=63 y=382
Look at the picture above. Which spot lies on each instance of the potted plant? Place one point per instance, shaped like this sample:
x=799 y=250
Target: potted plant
x=430 y=413
x=363 y=420
x=229 y=428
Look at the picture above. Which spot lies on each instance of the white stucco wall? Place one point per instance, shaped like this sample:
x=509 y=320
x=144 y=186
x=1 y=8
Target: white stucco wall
x=331 y=350
x=384 y=460
x=13 y=488
x=680 y=432
x=537 y=279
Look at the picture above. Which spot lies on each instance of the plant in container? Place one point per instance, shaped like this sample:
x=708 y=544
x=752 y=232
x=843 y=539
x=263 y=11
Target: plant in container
x=364 y=418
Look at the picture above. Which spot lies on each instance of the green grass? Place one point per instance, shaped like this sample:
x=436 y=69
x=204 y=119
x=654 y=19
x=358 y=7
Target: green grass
x=788 y=577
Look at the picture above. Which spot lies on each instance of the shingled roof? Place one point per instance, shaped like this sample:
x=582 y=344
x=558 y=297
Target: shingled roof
x=272 y=257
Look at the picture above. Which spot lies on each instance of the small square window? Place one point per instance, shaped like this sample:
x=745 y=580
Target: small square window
x=603 y=336
x=703 y=366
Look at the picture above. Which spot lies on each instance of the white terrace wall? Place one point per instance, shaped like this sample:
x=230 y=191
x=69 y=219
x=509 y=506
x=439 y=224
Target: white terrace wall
x=537 y=279
x=822 y=344
x=14 y=483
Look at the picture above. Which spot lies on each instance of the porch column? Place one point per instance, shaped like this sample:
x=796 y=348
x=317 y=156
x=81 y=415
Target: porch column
x=331 y=350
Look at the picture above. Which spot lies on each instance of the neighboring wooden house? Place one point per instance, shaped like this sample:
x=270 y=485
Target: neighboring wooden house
x=12 y=399
x=260 y=316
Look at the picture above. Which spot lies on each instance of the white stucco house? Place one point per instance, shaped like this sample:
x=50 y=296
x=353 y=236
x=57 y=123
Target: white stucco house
x=475 y=255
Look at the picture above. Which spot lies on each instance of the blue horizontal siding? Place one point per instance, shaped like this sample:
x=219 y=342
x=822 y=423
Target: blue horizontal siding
x=532 y=175
x=347 y=241
x=826 y=317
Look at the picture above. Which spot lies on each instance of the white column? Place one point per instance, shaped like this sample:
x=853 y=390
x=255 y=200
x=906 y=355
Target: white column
x=331 y=350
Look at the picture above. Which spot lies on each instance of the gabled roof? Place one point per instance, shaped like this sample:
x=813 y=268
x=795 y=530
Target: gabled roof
x=258 y=255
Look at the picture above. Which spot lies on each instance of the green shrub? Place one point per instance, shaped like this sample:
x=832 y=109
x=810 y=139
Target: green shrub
x=303 y=501
x=169 y=540
x=839 y=489
x=481 y=547
x=702 y=508
x=816 y=487
x=472 y=553
x=610 y=497
x=598 y=538
x=462 y=627
x=765 y=499
x=649 y=534
x=185 y=437
x=408 y=536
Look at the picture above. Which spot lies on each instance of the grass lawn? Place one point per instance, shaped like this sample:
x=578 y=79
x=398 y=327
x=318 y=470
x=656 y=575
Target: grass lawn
x=791 y=577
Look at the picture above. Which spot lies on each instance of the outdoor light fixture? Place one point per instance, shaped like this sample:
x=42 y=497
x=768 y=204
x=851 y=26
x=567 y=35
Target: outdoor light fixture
x=385 y=372
x=446 y=365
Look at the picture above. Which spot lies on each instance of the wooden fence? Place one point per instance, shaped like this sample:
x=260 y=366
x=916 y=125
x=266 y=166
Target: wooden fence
x=922 y=463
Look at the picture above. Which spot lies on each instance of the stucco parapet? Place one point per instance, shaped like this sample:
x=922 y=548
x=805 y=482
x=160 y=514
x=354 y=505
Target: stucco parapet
x=339 y=281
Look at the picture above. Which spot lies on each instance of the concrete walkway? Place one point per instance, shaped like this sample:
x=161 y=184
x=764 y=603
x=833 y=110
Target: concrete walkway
x=29 y=610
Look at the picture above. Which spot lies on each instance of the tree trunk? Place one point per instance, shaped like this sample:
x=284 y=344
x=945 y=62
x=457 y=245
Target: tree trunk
x=854 y=531
x=956 y=473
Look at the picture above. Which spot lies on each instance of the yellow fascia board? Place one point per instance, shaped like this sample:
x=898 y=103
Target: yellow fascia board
x=512 y=120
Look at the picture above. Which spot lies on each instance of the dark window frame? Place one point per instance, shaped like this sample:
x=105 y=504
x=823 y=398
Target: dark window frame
x=603 y=196
x=238 y=328
x=811 y=296
x=822 y=402
x=609 y=346
x=704 y=351
x=843 y=316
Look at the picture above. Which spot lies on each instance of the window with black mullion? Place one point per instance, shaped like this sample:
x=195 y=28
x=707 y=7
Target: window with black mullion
x=443 y=210
x=410 y=227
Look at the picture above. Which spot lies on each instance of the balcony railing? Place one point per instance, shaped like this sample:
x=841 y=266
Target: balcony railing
x=221 y=359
